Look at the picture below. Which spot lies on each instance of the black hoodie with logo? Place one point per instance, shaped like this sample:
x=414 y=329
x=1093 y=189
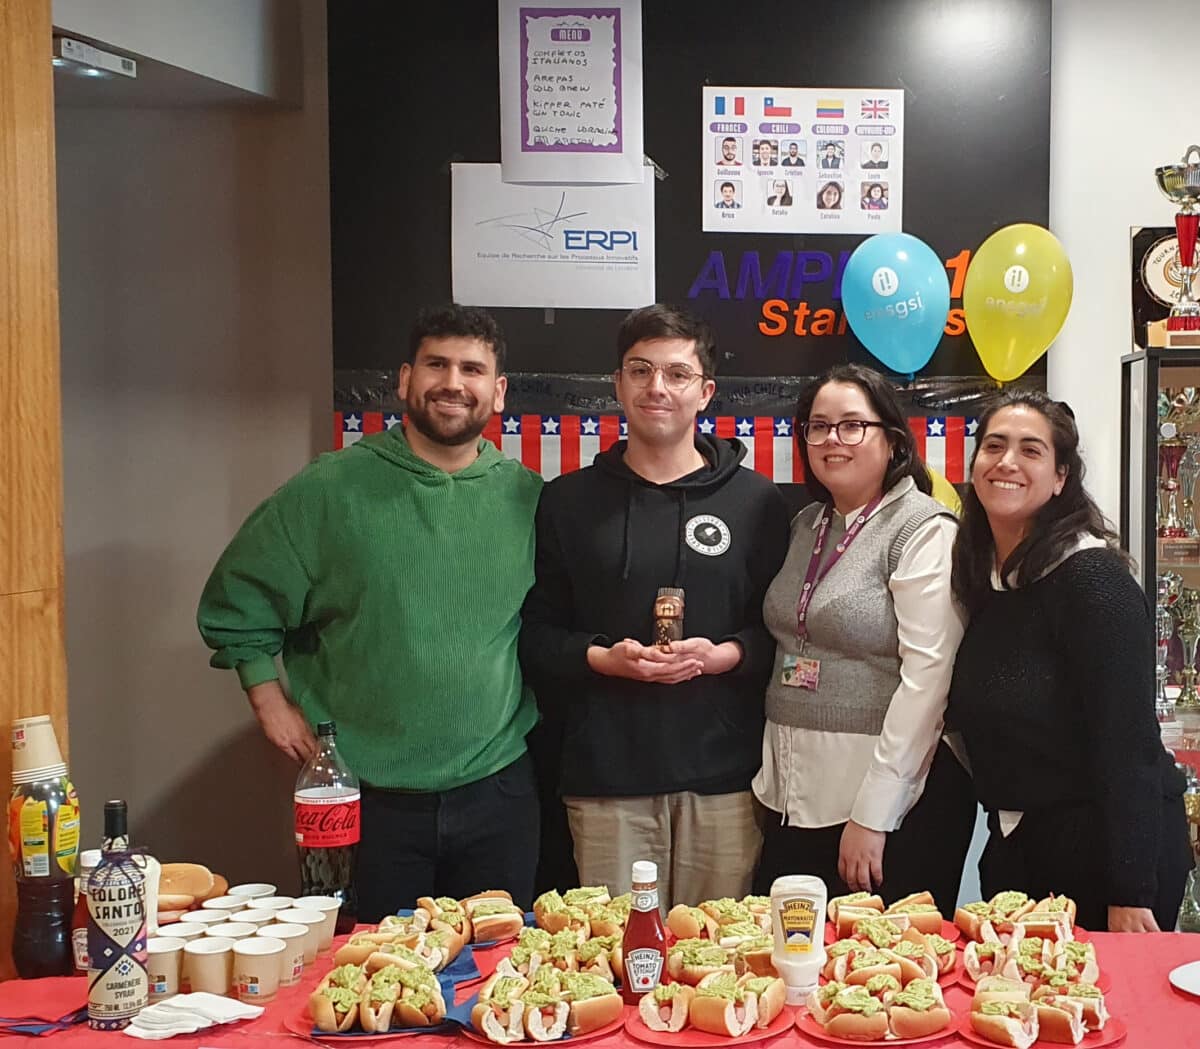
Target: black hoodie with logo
x=607 y=540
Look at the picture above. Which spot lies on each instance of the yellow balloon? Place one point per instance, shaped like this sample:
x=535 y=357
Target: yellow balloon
x=1016 y=297
x=944 y=492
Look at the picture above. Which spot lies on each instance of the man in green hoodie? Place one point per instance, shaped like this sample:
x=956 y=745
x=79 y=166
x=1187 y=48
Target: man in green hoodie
x=389 y=577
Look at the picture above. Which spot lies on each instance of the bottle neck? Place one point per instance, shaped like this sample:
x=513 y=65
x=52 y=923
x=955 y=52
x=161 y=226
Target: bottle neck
x=645 y=897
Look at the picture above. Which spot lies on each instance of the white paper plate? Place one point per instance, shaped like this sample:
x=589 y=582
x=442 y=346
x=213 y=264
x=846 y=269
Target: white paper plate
x=1186 y=978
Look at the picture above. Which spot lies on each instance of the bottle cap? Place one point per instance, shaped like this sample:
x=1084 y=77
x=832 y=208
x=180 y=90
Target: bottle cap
x=89 y=859
x=644 y=872
x=327 y=728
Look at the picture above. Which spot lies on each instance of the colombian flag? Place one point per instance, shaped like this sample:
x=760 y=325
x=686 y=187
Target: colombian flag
x=831 y=109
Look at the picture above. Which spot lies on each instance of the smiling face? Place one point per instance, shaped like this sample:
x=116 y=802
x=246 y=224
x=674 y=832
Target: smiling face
x=727 y=192
x=875 y=192
x=1015 y=473
x=657 y=415
x=451 y=389
x=764 y=152
x=853 y=473
x=830 y=196
x=830 y=150
x=780 y=188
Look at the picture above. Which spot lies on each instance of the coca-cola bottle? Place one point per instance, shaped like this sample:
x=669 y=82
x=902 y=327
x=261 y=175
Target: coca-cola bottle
x=327 y=825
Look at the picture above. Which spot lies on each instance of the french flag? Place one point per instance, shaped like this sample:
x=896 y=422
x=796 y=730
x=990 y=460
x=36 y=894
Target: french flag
x=739 y=106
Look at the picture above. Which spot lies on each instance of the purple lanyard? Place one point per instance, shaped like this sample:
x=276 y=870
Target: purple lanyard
x=815 y=572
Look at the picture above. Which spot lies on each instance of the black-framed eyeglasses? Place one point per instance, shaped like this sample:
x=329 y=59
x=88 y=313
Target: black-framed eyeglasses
x=675 y=376
x=849 y=431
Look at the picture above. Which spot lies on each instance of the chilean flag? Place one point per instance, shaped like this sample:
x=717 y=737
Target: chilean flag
x=772 y=110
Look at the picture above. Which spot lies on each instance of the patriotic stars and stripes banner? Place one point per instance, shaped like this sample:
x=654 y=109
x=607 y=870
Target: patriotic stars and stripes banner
x=559 y=444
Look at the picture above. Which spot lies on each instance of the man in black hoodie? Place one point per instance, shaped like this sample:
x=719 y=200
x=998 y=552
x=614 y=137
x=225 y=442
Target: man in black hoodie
x=659 y=745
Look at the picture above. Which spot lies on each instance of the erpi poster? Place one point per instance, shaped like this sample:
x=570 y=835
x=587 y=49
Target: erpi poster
x=570 y=91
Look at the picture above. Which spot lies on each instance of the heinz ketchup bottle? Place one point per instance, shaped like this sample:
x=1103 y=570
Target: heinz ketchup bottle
x=645 y=943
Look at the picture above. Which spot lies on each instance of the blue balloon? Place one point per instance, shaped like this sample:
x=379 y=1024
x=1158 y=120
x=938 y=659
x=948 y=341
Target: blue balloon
x=897 y=296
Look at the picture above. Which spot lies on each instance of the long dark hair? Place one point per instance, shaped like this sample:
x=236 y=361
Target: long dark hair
x=905 y=462
x=1056 y=526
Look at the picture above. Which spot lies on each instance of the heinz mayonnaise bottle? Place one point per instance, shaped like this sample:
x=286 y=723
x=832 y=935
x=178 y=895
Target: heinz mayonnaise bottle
x=798 y=921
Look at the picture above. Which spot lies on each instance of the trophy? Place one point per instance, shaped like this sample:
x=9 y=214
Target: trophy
x=1169 y=584
x=1187 y=614
x=1180 y=184
x=1189 y=472
x=1170 y=455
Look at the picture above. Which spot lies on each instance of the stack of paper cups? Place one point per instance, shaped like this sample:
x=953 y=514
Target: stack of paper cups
x=35 y=753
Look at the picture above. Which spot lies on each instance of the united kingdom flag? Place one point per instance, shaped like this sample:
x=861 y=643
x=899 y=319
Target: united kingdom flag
x=876 y=108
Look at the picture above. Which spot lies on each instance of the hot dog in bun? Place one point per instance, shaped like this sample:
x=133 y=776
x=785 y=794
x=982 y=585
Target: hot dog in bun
x=721 y=1006
x=859 y=900
x=918 y=1010
x=666 y=1007
x=499 y=1013
x=1006 y=1023
x=1060 y=1019
x=765 y=997
x=334 y=1004
x=689 y=961
x=593 y=1002
x=691 y=923
x=855 y=1014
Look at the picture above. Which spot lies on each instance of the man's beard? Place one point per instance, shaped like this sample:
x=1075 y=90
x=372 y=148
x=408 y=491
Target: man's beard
x=450 y=432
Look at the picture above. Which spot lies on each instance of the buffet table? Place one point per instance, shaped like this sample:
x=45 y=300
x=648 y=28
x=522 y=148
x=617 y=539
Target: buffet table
x=1157 y=1015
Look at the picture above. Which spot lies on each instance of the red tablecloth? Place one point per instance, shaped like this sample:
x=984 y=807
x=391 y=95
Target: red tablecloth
x=1158 y=1017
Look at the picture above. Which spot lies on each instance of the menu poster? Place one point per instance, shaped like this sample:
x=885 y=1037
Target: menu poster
x=802 y=160
x=571 y=91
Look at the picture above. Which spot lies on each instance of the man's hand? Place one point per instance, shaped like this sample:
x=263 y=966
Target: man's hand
x=640 y=662
x=282 y=721
x=714 y=659
x=1131 y=919
x=860 y=857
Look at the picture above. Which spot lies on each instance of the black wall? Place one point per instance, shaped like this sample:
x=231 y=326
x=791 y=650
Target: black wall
x=414 y=87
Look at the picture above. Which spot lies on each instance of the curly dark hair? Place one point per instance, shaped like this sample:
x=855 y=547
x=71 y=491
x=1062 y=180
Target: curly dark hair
x=1056 y=526
x=905 y=462
x=450 y=319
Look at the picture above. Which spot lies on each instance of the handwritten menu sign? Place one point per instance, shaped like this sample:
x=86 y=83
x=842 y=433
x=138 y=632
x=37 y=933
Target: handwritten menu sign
x=571 y=92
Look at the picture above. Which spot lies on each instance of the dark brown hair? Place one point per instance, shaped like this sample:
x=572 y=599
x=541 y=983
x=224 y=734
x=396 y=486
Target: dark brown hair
x=905 y=462
x=1056 y=526
x=471 y=322
x=668 y=322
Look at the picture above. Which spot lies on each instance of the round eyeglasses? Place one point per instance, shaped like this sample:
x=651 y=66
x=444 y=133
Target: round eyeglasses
x=675 y=376
x=849 y=431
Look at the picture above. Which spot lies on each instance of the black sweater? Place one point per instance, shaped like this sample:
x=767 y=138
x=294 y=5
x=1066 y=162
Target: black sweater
x=1053 y=691
x=607 y=539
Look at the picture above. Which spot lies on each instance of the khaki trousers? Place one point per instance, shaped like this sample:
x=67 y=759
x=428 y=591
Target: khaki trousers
x=706 y=845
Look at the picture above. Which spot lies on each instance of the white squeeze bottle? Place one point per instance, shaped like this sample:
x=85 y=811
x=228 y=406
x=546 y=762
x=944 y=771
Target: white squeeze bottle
x=798 y=921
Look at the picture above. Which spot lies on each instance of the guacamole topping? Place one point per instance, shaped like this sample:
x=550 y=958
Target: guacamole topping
x=384 y=992
x=538 y=939
x=346 y=976
x=489 y=907
x=1013 y=1009
x=722 y=985
x=1084 y=990
x=836 y=950
x=987 y=950
x=867 y=959
x=1007 y=902
x=595 y=947
x=881 y=982
x=520 y=955
x=853 y=898
x=857 y=1000
x=448 y=903
x=506 y=989
x=582 y=986
x=622 y=904
x=918 y=995
x=915 y=908
x=940 y=944
x=343 y=998
x=538 y=999
x=748 y=929
x=758 y=985
x=666 y=992
x=1030 y=945
x=829 y=991
x=547 y=979
x=757 y=944
x=880 y=931
x=562 y=943
x=979 y=907
x=1077 y=952
x=752 y=902
x=700 y=952
x=577 y=897
x=549 y=901
x=908 y=949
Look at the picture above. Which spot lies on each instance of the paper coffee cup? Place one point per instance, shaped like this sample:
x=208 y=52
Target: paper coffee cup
x=256 y=964
x=208 y=964
x=312 y=920
x=273 y=903
x=229 y=904
x=183 y=930
x=232 y=930
x=253 y=890
x=35 y=748
x=328 y=906
x=205 y=917
x=164 y=960
x=291 y=965
x=255 y=916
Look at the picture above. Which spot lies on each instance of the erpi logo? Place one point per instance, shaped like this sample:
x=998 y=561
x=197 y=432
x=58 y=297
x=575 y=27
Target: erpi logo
x=604 y=239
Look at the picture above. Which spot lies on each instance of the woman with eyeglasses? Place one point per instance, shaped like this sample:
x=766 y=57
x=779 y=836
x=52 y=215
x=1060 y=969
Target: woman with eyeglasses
x=859 y=785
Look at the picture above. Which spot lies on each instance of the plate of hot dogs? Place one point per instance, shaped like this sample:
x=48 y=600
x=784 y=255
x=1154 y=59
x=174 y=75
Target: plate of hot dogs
x=721 y=1008
x=544 y=1007
x=1013 y=1013
x=917 y=911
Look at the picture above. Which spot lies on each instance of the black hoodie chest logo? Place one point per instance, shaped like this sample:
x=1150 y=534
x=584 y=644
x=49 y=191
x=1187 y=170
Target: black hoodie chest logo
x=707 y=535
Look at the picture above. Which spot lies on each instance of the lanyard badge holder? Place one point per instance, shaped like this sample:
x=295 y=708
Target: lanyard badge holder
x=800 y=671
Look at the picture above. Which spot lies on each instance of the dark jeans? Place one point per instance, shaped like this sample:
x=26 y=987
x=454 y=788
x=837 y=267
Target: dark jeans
x=1061 y=850
x=927 y=851
x=483 y=835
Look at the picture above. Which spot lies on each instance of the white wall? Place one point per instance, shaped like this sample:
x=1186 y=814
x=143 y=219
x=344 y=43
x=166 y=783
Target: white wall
x=197 y=366
x=250 y=44
x=1121 y=105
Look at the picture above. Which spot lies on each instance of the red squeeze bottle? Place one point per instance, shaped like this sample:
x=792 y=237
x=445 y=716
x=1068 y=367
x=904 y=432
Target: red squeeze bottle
x=645 y=943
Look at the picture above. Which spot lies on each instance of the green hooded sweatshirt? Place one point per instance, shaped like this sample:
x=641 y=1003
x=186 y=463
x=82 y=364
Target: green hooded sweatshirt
x=393 y=590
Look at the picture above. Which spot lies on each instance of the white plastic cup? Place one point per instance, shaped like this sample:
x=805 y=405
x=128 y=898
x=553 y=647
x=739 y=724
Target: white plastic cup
x=208 y=964
x=164 y=963
x=233 y=930
x=205 y=917
x=228 y=904
x=255 y=916
x=312 y=920
x=273 y=903
x=184 y=930
x=254 y=890
x=256 y=964
x=35 y=747
x=291 y=965
x=328 y=906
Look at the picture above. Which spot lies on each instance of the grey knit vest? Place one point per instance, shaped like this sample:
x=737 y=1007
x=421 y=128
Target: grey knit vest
x=851 y=620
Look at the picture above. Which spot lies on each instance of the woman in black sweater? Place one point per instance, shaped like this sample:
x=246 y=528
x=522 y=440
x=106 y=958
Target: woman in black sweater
x=1053 y=687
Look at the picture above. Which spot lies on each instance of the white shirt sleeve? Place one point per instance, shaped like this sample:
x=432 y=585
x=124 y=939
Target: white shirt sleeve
x=929 y=630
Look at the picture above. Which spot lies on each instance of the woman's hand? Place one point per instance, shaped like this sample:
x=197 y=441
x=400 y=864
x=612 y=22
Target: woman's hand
x=1132 y=919
x=860 y=857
